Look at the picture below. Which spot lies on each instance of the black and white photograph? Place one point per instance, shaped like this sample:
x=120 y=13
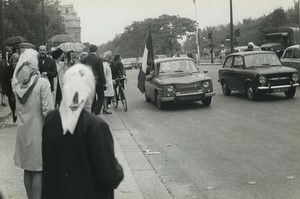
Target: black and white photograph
x=160 y=99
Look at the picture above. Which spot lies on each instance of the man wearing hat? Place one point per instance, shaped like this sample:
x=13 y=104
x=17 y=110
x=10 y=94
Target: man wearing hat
x=97 y=66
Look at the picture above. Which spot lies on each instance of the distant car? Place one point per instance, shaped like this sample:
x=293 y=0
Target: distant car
x=256 y=72
x=160 y=56
x=243 y=48
x=138 y=63
x=128 y=63
x=291 y=57
x=178 y=79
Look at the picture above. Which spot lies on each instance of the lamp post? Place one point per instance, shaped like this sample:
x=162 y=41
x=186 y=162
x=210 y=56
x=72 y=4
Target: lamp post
x=197 y=32
x=43 y=29
x=231 y=28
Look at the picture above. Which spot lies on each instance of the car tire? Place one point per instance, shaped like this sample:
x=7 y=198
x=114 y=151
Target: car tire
x=159 y=103
x=250 y=92
x=225 y=89
x=147 y=99
x=290 y=93
x=206 y=101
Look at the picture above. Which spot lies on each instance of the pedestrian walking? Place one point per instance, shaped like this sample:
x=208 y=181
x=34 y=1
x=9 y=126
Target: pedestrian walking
x=58 y=56
x=47 y=66
x=33 y=102
x=3 y=66
x=78 y=151
x=97 y=66
x=109 y=92
x=14 y=58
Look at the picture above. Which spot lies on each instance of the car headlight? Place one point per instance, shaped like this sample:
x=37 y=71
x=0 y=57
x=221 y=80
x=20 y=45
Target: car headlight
x=205 y=84
x=262 y=79
x=170 y=88
x=295 y=77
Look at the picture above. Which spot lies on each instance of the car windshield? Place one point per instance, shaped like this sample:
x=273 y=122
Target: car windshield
x=177 y=66
x=261 y=60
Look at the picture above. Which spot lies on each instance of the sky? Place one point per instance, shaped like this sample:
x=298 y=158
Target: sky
x=102 y=20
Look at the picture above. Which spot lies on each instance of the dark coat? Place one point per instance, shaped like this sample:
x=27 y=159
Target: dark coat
x=82 y=165
x=8 y=75
x=97 y=66
x=48 y=66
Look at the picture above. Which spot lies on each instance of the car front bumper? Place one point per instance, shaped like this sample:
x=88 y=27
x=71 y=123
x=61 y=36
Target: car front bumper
x=196 y=96
x=270 y=88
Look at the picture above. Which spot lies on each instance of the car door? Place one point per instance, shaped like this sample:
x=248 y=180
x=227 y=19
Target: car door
x=295 y=61
x=287 y=57
x=226 y=71
x=238 y=73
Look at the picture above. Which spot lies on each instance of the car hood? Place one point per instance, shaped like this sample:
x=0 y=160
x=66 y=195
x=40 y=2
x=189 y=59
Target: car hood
x=274 y=70
x=182 y=78
x=271 y=45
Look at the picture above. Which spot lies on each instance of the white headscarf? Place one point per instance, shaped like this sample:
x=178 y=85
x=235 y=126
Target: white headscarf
x=107 y=56
x=26 y=74
x=77 y=93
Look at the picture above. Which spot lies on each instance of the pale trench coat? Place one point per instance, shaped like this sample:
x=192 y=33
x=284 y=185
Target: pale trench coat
x=109 y=92
x=31 y=114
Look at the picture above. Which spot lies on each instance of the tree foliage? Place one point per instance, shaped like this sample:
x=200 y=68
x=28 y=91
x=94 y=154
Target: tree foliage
x=24 y=18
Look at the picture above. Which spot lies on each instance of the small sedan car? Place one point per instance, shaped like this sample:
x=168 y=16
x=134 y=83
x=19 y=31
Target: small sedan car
x=291 y=57
x=257 y=72
x=177 y=79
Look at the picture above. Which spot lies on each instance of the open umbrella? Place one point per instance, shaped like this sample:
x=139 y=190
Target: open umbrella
x=11 y=41
x=70 y=46
x=62 y=38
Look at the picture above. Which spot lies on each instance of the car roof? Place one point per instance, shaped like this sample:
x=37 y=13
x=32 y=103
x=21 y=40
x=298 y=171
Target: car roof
x=252 y=53
x=293 y=46
x=172 y=59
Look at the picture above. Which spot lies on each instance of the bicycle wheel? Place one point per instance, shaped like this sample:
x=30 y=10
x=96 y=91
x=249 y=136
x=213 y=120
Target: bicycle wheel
x=114 y=100
x=123 y=99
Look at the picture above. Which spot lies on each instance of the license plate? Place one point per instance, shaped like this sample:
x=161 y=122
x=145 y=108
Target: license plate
x=189 y=98
x=280 y=90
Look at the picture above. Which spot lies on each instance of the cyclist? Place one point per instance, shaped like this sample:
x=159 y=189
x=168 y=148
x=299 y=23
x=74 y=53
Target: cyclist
x=118 y=71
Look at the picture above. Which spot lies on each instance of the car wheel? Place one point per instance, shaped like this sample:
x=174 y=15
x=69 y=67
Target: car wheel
x=290 y=93
x=250 y=92
x=147 y=99
x=159 y=103
x=206 y=101
x=225 y=89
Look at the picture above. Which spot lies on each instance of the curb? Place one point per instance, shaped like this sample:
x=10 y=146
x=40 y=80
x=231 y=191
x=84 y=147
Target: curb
x=135 y=164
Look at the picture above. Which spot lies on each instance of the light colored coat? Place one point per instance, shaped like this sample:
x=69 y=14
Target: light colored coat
x=109 y=92
x=31 y=114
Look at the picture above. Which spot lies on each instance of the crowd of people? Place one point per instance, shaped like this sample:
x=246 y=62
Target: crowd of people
x=65 y=150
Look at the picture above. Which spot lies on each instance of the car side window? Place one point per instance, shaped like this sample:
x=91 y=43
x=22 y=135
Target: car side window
x=296 y=53
x=238 y=62
x=288 y=53
x=228 y=62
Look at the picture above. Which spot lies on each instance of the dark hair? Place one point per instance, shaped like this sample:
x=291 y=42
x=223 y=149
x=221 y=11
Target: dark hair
x=57 y=53
x=93 y=48
x=116 y=57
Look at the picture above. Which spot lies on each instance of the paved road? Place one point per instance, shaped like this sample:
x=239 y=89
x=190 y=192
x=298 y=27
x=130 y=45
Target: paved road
x=235 y=148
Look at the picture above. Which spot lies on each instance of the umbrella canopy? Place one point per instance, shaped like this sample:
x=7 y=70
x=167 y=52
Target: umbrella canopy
x=69 y=46
x=27 y=45
x=11 y=41
x=62 y=38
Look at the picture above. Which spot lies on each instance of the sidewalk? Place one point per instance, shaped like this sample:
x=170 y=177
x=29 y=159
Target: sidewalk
x=141 y=181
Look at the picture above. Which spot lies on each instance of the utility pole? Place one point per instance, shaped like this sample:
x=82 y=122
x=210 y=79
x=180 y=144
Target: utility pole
x=43 y=23
x=231 y=28
x=1 y=26
x=197 y=36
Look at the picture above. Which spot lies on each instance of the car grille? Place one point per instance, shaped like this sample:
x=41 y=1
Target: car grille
x=276 y=80
x=188 y=87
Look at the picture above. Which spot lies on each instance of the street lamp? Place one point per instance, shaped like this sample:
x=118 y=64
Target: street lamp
x=197 y=32
x=231 y=28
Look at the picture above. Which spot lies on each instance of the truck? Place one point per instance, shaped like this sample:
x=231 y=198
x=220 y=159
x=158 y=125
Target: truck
x=279 y=38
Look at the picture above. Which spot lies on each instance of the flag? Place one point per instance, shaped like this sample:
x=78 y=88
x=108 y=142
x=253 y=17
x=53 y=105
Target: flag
x=148 y=60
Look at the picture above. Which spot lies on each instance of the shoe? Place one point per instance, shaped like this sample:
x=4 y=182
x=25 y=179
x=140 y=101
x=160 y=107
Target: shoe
x=106 y=112
x=14 y=119
x=3 y=104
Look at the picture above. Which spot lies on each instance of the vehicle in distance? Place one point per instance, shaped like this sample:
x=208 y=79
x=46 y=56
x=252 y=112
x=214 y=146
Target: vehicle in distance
x=291 y=57
x=257 y=72
x=128 y=63
x=177 y=79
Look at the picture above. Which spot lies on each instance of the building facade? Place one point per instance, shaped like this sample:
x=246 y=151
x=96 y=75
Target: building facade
x=71 y=21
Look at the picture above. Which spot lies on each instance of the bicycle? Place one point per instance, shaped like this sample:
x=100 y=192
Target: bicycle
x=119 y=94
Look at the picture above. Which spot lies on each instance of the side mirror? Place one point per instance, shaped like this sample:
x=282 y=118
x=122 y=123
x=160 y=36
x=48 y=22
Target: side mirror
x=205 y=71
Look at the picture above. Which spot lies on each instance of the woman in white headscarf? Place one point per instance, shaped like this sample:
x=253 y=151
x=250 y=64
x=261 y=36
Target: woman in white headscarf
x=78 y=151
x=109 y=92
x=33 y=102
